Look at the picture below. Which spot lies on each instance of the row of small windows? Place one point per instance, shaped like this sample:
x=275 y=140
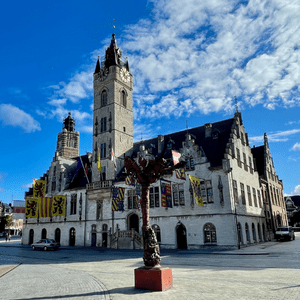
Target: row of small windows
x=253 y=195
x=276 y=196
x=246 y=166
x=177 y=195
x=123 y=98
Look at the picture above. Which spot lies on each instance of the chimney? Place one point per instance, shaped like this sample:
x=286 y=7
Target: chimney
x=161 y=144
x=208 y=128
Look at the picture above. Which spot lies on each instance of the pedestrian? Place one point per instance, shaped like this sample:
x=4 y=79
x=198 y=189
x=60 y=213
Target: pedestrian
x=9 y=237
x=6 y=237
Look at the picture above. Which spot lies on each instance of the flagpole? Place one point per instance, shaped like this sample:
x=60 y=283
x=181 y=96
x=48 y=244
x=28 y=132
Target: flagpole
x=84 y=170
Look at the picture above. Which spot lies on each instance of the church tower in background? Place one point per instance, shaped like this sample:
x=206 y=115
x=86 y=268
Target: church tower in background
x=68 y=140
x=113 y=110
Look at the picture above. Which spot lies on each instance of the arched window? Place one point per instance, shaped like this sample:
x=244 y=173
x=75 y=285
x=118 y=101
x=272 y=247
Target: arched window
x=264 y=232
x=123 y=98
x=72 y=236
x=103 y=98
x=254 y=233
x=259 y=233
x=31 y=236
x=210 y=234
x=57 y=235
x=104 y=227
x=247 y=232
x=44 y=233
x=156 y=229
x=93 y=227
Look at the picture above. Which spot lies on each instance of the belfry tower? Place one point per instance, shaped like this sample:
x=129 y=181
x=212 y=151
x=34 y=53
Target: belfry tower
x=113 y=111
x=68 y=140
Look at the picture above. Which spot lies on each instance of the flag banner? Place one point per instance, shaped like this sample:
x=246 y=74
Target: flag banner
x=180 y=174
x=39 y=188
x=31 y=207
x=115 y=205
x=166 y=194
x=129 y=180
x=113 y=159
x=175 y=156
x=121 y=192
x=59 y=205
x=195 y=182
x=138 y=190
x=114 y=192
x=45 y=205
x=99 y=161
x=137 y=201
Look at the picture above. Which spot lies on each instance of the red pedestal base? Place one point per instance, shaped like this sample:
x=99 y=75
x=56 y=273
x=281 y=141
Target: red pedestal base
x=155 y=279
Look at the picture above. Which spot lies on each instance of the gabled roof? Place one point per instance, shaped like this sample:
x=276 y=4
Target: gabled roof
x=213 y=146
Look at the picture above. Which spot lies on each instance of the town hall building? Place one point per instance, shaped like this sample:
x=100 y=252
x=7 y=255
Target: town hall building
x=241 y=194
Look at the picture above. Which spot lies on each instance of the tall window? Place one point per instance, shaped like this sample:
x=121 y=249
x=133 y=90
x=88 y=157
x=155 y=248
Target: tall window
x=99 y=210
x=123 y=98
x=249 y=195
x=156 y=229
x=254 y=233
x=254 y=197
x=178 y=194
x=103 y=98
x=210 y=235
x=103 y=125
x=154 y=196
x=243 y=193
x=206 y=191
x=103 y=150
x=259 y=199
x=245 y=162
x=73 y=204
x=238 y=156
x=235 y=191
x=53 y=188
x=132 y=199
x=250 y=165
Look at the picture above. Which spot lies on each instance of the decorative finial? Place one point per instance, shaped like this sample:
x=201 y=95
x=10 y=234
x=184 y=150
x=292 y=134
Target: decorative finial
x=236 y=105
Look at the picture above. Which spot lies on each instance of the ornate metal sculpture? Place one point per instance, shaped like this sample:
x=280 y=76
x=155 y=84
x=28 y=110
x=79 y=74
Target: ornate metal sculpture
x=146 y=172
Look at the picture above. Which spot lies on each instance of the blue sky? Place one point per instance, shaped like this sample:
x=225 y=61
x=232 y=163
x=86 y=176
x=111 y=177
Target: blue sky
x=189 y=60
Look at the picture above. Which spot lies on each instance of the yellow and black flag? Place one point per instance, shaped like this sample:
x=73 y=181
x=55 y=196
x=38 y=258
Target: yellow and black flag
x=195 y=182
x=39 y=188
x=31 y=207
x=59 y=205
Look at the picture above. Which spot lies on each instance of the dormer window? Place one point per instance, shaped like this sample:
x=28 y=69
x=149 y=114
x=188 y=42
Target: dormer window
x=190 y=165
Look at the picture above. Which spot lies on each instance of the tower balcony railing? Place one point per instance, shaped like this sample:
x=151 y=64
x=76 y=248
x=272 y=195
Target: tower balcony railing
x=99 y=185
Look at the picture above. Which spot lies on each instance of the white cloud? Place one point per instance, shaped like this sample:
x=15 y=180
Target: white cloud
x=26 y=186
x=297 y=190
x=87 y=129
x=210 y=51
x=296 y=147
x=12 y=115
x=280 y=136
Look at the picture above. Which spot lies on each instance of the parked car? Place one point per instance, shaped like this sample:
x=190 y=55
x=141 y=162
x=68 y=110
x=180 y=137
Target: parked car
x=285 y=232
x=45 y=244
x=3 y=235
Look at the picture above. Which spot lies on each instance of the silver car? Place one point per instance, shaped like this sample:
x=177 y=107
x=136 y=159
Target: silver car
x=45 y=244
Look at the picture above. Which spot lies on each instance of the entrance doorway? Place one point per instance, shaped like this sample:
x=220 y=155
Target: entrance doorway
x=181 y=237
x=44 y=233
x=94 y=239
x=31 y=236
x=72 y=236
x=133 y=222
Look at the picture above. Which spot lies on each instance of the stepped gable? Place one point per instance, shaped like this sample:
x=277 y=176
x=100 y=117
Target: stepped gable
x=258 y=155
x=213 y=145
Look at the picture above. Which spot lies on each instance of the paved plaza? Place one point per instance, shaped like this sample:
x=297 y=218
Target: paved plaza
x=263 y=271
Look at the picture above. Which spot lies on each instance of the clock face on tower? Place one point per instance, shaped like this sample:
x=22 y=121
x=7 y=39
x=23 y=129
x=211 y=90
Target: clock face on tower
x=125 y=76
x=102 y=74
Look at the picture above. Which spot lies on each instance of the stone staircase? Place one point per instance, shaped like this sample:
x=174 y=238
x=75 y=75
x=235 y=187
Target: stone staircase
x=127 y=239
